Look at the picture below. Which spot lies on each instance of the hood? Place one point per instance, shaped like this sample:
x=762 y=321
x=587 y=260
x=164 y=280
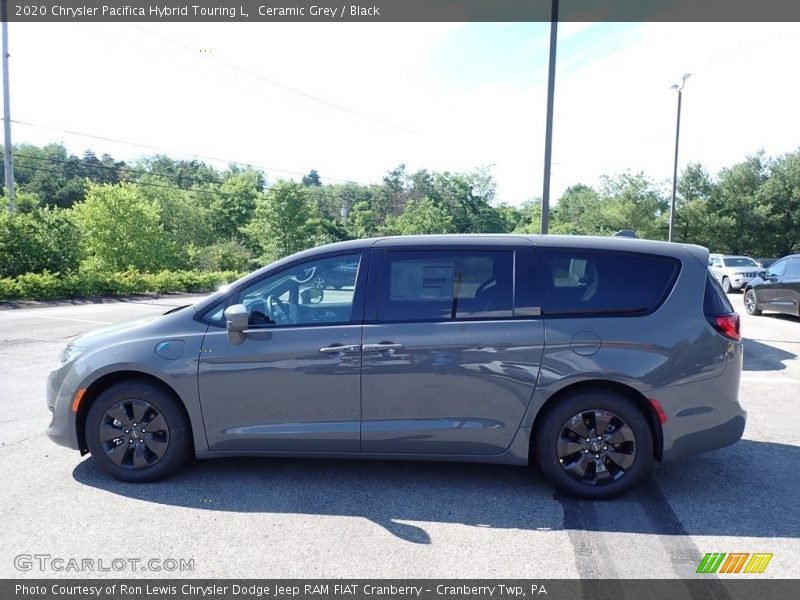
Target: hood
x=97 y=335
x=131 y=328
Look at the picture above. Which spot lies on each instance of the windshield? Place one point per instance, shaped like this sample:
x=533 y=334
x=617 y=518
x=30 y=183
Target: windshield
x=740 y=261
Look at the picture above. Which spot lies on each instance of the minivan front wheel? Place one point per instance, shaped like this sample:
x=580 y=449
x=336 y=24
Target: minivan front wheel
x=137 y=432
x=726 y=285
x=594 y=445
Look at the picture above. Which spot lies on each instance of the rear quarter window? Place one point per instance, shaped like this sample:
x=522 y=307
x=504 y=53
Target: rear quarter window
x=575 y=282
x=715 y=301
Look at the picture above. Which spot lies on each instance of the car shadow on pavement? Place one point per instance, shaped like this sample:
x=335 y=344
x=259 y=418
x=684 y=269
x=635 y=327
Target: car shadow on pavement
x=763 y=357
x=746 y=490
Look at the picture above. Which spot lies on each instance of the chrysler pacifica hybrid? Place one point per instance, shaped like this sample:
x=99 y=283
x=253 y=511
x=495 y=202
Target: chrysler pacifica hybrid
x=591 y=357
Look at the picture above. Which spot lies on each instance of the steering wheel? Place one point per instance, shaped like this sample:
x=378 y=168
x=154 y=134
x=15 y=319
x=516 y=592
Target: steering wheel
x=278 y=309
x=484 y=285
x=259 y=314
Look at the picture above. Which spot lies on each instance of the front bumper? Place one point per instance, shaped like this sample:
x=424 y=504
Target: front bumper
x=62 y=429
x=738 y=282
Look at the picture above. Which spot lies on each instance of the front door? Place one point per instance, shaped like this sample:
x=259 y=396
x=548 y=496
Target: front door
x=769 y=291
x=447 y=368
x=787 y=292
x=293 y=383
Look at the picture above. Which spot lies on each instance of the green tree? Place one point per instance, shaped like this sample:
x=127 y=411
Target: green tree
x=632 y=201
x=122 y=229
x=530 y=216
x=694 y=184
x=186 y=220
x=49 y=172
x=282 y=222
x=741 y=222
x=577 y=212
x=362 y=221
x=780 y=194
x=693 y=221
x=421 y=217
x=234 y=203
x=312 y=179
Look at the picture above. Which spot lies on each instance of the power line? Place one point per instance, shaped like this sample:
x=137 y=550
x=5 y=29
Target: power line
x=173 y=151
x=275 y=83
x=148 y=184
x=79 y=163
x=321 y=193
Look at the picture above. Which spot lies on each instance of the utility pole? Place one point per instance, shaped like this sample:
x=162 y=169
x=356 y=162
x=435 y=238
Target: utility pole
x=548 y=135
x=675 y=166
x=8 y=158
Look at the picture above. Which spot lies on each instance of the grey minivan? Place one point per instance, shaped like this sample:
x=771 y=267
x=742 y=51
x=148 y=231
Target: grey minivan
x=589 y=356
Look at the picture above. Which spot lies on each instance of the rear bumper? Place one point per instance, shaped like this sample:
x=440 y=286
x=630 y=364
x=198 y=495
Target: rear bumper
x=716 y=437
x=703 y=415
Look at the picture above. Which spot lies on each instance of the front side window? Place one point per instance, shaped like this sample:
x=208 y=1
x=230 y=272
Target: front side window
x=440 y=285
x=580 y=282
x=311 y=293
x=777 y=269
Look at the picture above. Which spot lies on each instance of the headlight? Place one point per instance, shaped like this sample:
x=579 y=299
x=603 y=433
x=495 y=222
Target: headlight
x=69 y=354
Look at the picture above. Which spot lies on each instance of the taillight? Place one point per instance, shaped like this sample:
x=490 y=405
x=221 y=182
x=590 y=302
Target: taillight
x=728 y=325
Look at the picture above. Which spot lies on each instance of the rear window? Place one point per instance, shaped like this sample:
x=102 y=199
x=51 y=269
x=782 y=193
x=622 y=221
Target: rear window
x=583 y=282
x=715 y=301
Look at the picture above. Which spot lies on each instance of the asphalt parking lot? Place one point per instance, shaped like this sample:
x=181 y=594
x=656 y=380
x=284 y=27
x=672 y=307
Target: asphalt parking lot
x=318 y=518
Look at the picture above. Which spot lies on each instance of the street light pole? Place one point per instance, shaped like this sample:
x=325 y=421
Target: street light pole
x=548 y=134
x=675 y=167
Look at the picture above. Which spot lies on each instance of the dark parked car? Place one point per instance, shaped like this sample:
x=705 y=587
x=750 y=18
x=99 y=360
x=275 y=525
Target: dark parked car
x=776 y=289
x=337 y=277
x=591 y=356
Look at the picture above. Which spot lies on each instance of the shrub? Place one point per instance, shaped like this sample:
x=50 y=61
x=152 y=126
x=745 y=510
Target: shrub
x=48 y=286
x=38 y=240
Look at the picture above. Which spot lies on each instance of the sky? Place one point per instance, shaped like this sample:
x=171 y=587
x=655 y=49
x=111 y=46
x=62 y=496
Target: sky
x=354 y=100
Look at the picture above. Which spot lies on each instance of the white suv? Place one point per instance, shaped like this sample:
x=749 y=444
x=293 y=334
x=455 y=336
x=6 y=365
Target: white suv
x=733 y=272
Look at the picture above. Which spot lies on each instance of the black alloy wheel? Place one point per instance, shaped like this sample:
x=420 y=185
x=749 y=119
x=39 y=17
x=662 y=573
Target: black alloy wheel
x=138 y=431
x=751 y=303
x=596 y=447
x=594 y=444
x=134 y=434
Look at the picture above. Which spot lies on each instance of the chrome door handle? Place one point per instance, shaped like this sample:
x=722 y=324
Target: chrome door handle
x=339 y=349
x=382 y=347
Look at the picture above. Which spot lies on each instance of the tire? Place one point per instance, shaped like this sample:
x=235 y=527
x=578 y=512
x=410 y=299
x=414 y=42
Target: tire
x=627 y=439
x=751 y=303
x=726 y=285
x=128 y=408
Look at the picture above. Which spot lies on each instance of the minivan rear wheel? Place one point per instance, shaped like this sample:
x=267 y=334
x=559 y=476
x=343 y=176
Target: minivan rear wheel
x=594 y=445
x=137 y=432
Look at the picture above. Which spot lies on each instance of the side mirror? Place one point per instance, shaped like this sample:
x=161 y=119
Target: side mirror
x=762 y=274
x=237 y=322
x=311 y=295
